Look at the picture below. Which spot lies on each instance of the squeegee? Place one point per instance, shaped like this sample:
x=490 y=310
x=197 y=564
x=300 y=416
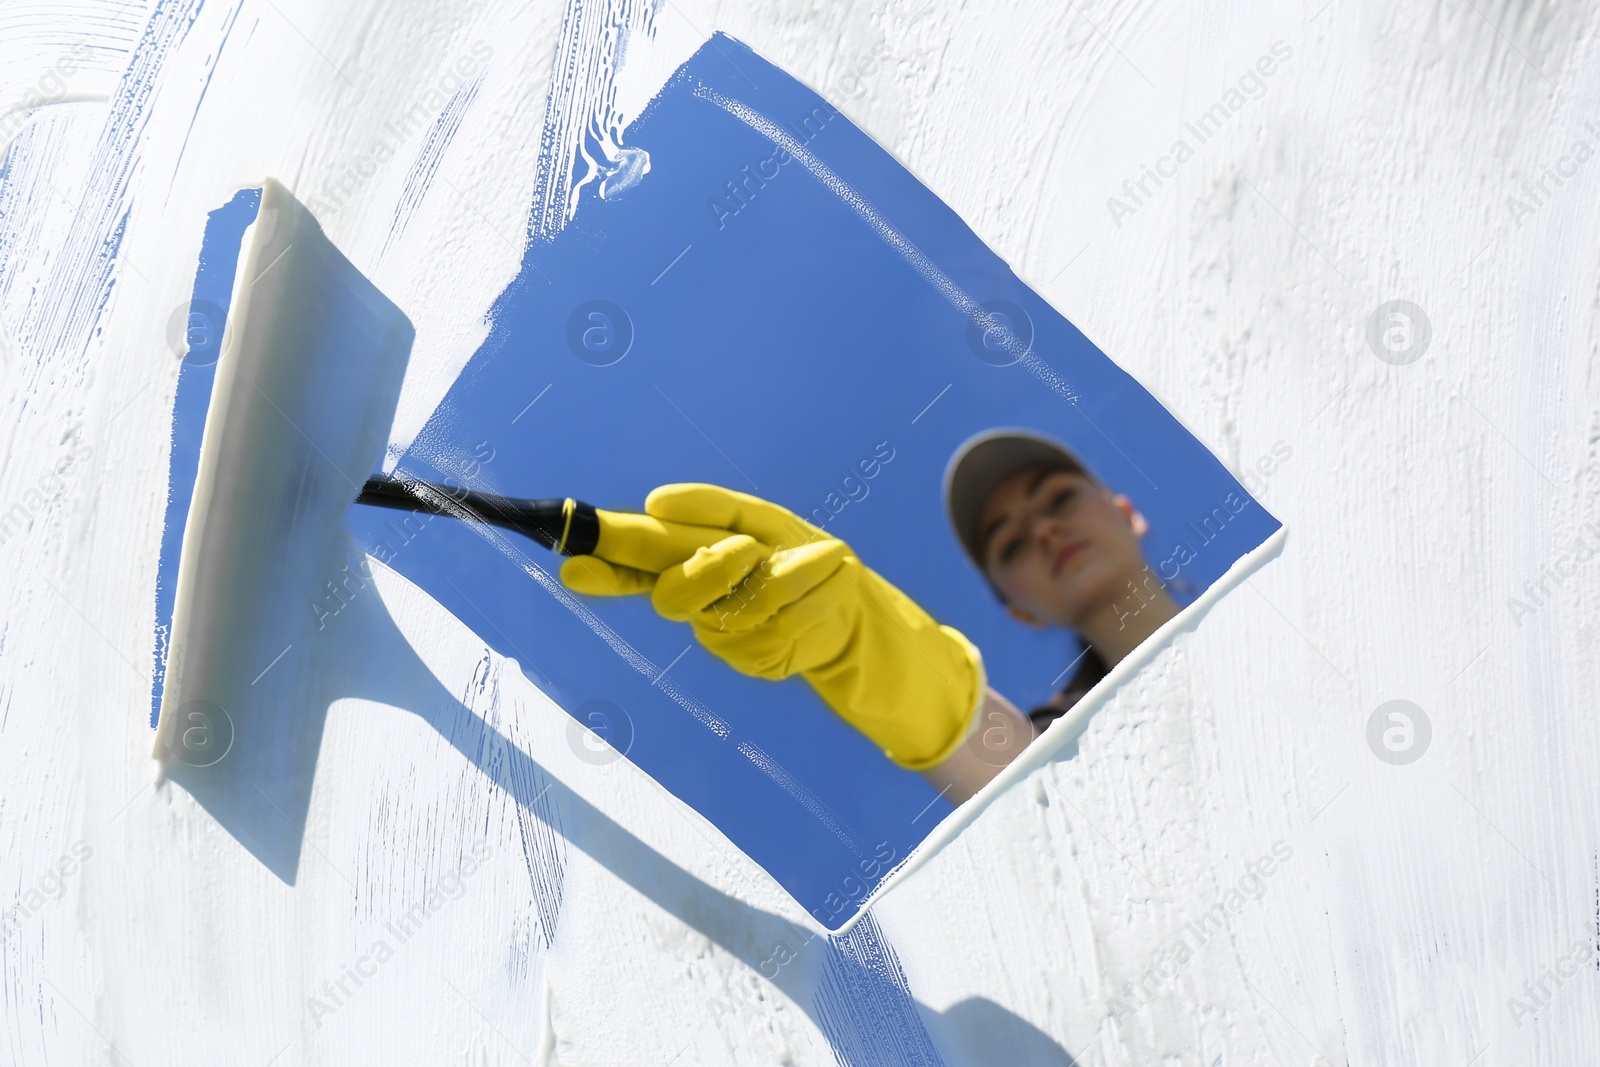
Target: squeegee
x=289 y=422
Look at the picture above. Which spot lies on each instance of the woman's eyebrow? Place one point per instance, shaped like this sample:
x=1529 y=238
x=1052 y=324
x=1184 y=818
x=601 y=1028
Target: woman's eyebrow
x=1037 y=479
x=986 y=534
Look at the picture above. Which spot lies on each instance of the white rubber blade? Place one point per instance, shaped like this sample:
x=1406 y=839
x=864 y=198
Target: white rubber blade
x=298 y=416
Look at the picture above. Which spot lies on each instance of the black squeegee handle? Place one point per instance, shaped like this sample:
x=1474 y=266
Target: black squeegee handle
x=567 y=526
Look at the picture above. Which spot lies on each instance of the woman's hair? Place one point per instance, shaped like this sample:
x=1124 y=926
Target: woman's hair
x=1089 y=674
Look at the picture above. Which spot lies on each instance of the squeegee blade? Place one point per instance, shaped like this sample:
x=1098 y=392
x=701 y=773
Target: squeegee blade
x=301 y=402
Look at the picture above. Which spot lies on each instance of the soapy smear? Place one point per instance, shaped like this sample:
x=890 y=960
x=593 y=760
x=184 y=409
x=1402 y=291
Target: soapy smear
x=629 y=169
x=581 y=142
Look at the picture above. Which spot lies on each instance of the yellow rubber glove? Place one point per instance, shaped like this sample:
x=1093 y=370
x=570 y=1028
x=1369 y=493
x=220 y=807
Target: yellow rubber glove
x=632 y=550
x=776 y=596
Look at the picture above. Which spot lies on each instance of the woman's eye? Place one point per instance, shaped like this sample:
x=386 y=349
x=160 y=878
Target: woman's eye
x=1060 y=499
x=1009 y=550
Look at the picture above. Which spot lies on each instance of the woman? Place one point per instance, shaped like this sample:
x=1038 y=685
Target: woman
x=1058 y=548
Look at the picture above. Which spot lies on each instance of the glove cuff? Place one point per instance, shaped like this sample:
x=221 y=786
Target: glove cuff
x=973 y=702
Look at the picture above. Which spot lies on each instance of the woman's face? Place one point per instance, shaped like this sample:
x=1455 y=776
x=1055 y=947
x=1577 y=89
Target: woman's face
x=1058 y=545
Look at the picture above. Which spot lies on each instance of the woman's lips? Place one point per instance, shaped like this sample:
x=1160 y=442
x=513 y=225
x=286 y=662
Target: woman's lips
x=1065 y=553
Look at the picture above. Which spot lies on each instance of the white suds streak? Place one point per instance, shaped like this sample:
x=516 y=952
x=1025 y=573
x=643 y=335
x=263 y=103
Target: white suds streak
x=914 y=257
x=865 y=1007
x=803 y=796
x=440 y=136
x=635 y=659
x=65 y=309
x=544 y=842
x=594 y=34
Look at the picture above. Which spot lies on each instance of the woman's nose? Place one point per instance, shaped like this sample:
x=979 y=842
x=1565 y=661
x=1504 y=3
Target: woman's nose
x=1044 y=528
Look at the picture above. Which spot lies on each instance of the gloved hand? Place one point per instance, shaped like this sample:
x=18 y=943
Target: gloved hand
x=631 y=551
x=774 y=596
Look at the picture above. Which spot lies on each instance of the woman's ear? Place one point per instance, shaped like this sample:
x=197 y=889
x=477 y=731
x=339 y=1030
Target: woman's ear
x=1022 y=616
x=1136 y=520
